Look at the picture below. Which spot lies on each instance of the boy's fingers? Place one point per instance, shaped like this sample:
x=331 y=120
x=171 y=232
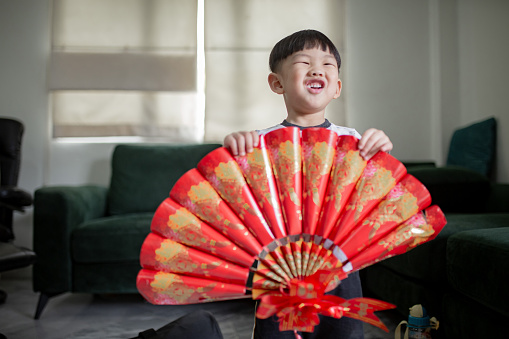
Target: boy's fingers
x=372 y=141
x=367 y=142
x=366 y=136
x=256 y=138
x=387 y=147
x=373 y=150
x=248 y=146
x=241 y=144
x=231 y=143
x=251 y=141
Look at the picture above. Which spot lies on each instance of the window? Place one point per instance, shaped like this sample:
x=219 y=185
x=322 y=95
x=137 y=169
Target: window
x=137 y=67
x=125 y=68
x=239 y=36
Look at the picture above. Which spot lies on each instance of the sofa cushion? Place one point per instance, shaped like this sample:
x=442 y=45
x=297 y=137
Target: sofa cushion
x=426 y=263
x=473 y=147
x=384 y=284
x=108 y=277
x=498 y=201
x=455 y=189
x=143 y=175
x=463 y=318
x=110 y=239
x=477 y=265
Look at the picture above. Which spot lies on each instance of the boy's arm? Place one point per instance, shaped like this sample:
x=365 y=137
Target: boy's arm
x=372 y=141
x=242 y=142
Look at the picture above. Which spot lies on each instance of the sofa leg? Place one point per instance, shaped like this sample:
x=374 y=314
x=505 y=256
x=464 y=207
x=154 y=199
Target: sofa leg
x=43 y=300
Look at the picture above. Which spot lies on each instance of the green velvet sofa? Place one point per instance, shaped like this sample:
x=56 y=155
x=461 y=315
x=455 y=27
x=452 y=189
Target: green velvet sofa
x=461 y=276
x=88 y=238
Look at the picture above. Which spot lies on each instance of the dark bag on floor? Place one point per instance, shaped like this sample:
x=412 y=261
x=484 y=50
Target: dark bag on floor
x=196 y=325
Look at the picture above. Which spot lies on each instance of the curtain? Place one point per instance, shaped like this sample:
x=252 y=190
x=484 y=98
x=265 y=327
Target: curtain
x=125 y=68
x=239 y=35
x=131 y=67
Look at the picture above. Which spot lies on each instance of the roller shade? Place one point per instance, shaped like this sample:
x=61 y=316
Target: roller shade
x=125 y=68
x=122 y=71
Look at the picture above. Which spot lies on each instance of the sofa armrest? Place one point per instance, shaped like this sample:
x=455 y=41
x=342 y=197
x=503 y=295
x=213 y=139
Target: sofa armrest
x=57 y=211
x=498 y=201
x=455 y=189
x=418 y=164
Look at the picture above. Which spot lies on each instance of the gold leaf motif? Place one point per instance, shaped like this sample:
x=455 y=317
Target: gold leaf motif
x=175 y=258
x=257 y=176
x=416 y=233
x=171 y=285
x=396 y=210
x=346 y=172
x=317 y=165
x=203 y=192
x=188 y=230
x=186 y=226
x=294 y=197
x=226 y=171
x=372 y=187
x=230 y=185
x=230 y=180
x=170 y=250
x=287 y=161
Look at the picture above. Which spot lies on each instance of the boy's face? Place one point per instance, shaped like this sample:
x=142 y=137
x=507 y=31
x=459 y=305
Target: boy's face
x=308 y=81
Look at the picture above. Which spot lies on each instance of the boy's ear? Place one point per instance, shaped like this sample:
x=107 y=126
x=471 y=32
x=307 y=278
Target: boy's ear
x=338 y=90
x=275 y=84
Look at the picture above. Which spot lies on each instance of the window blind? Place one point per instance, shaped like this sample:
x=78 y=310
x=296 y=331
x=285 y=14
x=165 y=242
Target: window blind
x=125 y=68
x=131 y=67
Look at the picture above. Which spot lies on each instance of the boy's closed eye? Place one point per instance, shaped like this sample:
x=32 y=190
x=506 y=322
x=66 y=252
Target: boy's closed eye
x=302 y=61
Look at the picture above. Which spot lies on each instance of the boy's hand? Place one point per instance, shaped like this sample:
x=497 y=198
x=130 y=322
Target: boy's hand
x=374 y=140
x=241 y=143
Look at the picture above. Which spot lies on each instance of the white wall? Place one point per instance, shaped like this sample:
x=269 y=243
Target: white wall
x=484 y=69
x=417 y=69
x=421 y=69
x=24 y=37
x=387 y=73
x=24 y=41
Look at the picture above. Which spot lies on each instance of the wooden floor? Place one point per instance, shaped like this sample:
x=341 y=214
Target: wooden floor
x=86 y=316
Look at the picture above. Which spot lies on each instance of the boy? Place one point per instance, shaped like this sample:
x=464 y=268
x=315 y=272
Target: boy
x=305 y=71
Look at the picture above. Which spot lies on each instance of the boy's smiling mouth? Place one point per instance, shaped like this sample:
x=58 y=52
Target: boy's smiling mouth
x=315 y=86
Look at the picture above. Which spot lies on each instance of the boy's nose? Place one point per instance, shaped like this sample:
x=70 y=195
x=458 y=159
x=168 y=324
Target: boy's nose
x=317 y=72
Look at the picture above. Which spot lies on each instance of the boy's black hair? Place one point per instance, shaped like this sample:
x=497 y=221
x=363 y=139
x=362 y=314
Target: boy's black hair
x=299 y=41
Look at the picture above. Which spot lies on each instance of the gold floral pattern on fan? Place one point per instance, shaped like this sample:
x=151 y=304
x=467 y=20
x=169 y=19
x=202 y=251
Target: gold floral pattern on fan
x=288 y=167
x=176 y=258
x=172 y=285
x=187 y=229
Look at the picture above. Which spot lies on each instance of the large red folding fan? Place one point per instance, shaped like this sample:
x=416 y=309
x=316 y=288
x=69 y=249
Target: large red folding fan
x=285 y=224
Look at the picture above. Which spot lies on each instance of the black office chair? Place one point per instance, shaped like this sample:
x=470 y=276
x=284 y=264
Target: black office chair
x=12 y=198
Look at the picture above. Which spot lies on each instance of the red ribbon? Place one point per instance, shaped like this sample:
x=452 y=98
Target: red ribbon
x=299 y=305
